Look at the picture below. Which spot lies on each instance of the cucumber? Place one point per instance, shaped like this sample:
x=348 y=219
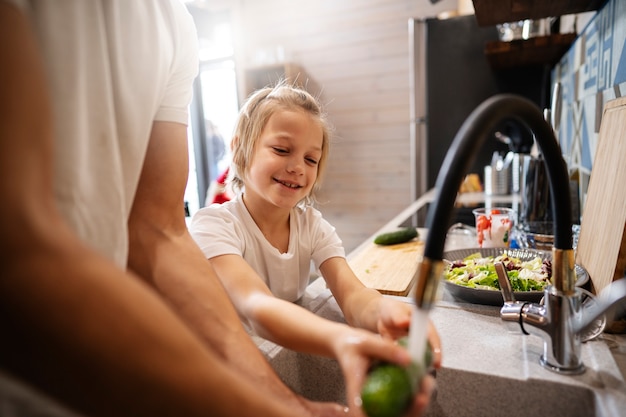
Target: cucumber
x=399 y=236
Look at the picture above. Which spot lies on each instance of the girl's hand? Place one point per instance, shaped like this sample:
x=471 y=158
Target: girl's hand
x=394 y=318
x=394 y=321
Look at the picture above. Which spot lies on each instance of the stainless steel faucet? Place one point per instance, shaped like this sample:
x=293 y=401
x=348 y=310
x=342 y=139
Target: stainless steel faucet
x=559 y=321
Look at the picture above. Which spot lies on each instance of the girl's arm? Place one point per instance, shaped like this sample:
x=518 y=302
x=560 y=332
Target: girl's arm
x=360 y=305
x=296 y=328
x=280 y=321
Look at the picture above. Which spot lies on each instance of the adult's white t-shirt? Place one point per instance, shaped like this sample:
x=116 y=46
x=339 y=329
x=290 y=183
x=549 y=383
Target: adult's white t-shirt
x=113 y=67
x=111 y=76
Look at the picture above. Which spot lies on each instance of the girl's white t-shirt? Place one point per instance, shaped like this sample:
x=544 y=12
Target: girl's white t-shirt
x=228 y=228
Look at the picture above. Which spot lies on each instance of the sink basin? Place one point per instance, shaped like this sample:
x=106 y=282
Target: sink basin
x=481 y=376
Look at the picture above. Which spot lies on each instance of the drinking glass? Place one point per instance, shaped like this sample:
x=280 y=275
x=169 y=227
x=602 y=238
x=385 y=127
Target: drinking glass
x=493 y=226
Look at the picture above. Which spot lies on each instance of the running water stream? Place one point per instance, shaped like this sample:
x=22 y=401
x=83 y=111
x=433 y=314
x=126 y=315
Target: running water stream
x=418 y=334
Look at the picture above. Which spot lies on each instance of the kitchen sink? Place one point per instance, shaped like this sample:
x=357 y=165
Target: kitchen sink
x=481 y=376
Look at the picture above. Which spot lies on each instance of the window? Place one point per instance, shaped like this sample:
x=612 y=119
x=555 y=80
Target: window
x=214 y=107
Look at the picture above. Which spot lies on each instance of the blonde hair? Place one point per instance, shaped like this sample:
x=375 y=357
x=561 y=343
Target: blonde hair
x=253 y=117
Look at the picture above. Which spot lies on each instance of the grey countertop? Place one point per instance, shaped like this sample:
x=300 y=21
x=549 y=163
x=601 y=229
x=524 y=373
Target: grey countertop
x=487 y=367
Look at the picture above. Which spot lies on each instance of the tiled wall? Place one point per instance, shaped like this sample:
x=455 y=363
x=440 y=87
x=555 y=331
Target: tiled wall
x=591 y=73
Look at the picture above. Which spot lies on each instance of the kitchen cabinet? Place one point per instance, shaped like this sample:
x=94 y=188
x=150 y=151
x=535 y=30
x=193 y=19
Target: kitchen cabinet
x=492 y=12
x=542 y=50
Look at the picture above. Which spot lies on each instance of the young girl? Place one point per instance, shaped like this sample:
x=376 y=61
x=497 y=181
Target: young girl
x=262 y=242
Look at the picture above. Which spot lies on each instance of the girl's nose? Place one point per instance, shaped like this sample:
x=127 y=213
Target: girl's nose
x=295 y=165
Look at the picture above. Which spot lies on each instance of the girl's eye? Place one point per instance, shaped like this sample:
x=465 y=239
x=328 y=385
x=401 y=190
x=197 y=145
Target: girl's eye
x=312 y=161
x=279 y=150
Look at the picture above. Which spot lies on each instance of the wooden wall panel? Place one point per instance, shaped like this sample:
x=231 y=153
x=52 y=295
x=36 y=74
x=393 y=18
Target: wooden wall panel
x=356 y=51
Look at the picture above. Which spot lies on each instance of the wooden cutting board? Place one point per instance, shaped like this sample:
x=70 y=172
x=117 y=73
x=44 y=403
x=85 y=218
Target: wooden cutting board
x=602 y=241
x=389 y=269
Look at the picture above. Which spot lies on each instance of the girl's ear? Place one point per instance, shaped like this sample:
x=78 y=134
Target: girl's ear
x=234 y=143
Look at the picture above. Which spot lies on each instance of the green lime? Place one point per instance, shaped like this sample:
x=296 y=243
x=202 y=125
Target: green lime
x=387 y=391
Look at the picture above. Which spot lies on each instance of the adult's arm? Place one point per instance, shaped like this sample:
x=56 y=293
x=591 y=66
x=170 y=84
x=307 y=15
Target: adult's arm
x=73 y=325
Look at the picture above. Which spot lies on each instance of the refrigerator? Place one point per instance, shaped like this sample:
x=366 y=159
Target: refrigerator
x=449 y=77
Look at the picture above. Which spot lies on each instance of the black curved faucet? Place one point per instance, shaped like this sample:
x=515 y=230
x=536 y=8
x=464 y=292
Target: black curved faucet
x=468 y=141
x=554 y=323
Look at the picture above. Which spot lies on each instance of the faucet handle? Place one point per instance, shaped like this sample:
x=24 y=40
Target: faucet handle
x=511 y=310
x=505 y=285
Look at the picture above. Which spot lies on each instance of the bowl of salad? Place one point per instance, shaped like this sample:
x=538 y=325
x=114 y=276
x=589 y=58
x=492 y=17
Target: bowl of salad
x=470 y=275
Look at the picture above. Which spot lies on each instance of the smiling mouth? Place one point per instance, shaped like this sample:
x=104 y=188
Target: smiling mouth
x=288 y=184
